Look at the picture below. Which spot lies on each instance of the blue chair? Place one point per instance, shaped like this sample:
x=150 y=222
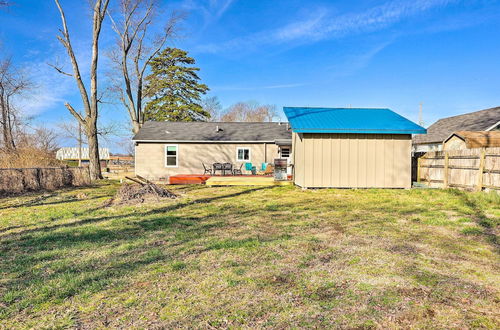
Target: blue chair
x=263 y=166
x=250 y=167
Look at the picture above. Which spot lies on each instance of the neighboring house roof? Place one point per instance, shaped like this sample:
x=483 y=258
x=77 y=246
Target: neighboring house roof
x=481 y=139
x=165 y=131
x=483 y=120
x=349 y=120
x=68 y=153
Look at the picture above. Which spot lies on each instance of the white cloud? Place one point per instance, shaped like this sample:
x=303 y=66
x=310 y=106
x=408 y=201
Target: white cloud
x=322 y=24
x=211 y=10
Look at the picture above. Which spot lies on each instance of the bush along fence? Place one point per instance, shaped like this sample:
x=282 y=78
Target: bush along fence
x=470 y=169
x=20 y=180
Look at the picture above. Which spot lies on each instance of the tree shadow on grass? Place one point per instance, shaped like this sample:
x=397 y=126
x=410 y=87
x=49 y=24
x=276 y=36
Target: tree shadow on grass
x=168 y=208
x=36 y=275
x=40 y=201
x=479 y=216
x=43 y=194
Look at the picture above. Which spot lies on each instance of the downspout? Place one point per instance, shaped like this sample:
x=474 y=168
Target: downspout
x=265 y=152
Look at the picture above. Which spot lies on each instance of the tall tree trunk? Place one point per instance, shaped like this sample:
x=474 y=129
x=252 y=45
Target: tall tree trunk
x=8 y=138
x=95 y=164
x=90 y=100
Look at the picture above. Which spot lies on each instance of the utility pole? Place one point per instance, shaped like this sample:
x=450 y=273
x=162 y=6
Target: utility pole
x=420 y=120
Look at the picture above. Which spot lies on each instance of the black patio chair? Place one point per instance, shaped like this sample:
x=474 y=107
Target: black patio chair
x=237 y=171
x=227 y=167
x=206 y=170
x=218 y=167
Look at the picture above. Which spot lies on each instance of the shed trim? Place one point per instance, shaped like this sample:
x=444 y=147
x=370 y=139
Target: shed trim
x=357 y=131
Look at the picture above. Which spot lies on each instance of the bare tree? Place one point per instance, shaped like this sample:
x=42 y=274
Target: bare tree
x=135 y=49
x=213 y=107
x=43 y=139
x=249 y=112
x=12 y=84
x=72 y=130
x=90 y=102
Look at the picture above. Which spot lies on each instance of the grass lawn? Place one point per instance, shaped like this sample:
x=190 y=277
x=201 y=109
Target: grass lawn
x=251 y=257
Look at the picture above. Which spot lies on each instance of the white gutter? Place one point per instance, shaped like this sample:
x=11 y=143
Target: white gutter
x=200 y=141
x=492 y=127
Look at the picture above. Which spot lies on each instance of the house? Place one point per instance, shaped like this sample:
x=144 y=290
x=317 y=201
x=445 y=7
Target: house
x=74 y=154
x=484 y=120
x=164 y=149
x=351 y=148
x=469 y=140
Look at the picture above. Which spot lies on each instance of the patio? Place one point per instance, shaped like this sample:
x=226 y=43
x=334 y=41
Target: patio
x=233 y=180
x=246 y=180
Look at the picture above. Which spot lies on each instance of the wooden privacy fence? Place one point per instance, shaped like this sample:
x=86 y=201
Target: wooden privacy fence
x=471 y=169
x=19 y=180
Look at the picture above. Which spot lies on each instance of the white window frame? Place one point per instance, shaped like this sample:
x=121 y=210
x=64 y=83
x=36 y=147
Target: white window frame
x=176 y=155
x=249 y=154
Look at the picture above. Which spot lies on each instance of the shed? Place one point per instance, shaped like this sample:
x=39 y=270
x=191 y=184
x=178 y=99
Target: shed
x=470 y=139
x=351 y=148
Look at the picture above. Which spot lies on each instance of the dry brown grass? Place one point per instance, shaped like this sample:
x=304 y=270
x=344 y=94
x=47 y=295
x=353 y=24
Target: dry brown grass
x=274 y=257
x=28 y=158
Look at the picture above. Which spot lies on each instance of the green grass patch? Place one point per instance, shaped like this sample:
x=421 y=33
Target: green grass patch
x=250 y=257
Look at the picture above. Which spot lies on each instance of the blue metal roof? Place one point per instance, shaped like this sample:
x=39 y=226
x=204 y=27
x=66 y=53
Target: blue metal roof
x=347 y=120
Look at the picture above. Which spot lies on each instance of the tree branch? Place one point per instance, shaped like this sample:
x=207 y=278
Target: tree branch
x=60 y=70
x=75 y=114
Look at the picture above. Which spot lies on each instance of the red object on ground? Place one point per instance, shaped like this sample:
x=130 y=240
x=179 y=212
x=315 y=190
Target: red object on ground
x=188 y=179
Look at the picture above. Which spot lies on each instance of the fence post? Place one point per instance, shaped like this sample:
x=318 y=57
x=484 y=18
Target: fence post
x=446 y=169
x=482 y=157
x=419 y=163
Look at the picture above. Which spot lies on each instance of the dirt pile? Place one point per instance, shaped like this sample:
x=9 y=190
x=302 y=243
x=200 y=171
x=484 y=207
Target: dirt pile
x=140 y=193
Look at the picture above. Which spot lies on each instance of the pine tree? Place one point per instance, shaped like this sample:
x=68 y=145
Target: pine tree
x=173 y=88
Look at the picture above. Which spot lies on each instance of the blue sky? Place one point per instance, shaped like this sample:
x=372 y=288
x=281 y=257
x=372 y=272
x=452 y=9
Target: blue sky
x=367 y=53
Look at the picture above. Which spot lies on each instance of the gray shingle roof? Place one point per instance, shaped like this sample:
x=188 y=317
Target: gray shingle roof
x=474 y=121
x=207 y=131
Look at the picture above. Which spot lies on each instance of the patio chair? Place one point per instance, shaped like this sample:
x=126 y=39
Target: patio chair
x=269 y=170
x=237 y=171
x=227 y=167
x=206 y=170
x=217 y=167
x=250 y=167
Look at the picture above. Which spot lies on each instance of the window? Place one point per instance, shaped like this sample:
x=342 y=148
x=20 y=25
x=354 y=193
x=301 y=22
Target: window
x=285 y=152
x=243 y=154
x=171 y=155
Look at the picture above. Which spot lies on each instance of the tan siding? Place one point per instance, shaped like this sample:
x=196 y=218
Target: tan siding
x=371 y=160
x=336 y=161
x=327 y=159
x=353 y=160
x=318 y=160
x=298 y=155
x=150 y=157
x=362 y=161
x=344 y=166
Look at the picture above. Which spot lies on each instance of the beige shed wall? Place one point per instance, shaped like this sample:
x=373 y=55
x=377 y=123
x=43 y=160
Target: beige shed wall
x=352 y=160
x=454 y=143
x=150 y=157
